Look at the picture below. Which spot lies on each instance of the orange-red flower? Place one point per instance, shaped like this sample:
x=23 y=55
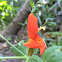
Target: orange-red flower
x=32 y=26
x=35 y=41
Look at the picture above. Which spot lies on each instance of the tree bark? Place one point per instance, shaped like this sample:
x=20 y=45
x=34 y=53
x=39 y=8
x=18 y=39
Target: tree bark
x=14 y=27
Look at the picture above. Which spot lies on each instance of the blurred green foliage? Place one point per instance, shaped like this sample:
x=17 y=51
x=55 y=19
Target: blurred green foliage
x=5 y=13
x=8 y=10
x=47 y=13
x=55 y=39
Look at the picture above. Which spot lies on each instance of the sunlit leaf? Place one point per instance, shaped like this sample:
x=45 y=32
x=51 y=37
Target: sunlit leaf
x=9 y=7
x=32 y=4
x=0 y=8
x=3 y=3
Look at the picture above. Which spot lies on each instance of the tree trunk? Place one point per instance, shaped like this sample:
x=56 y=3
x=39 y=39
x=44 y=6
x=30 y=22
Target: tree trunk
x=14 y=27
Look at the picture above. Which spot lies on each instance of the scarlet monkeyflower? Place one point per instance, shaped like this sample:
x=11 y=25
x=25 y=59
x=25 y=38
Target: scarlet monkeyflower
x=35 y=41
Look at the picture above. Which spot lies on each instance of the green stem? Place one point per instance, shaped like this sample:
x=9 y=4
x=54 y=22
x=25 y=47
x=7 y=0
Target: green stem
x=56 y=4
x=27 y=58
x=47 y=19
x=14 y=57
x=12 y=45
x=45 y=23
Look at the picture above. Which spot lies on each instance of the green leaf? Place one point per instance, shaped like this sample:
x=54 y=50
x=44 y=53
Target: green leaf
x=51 y=53
x=0 y=58
x=52 y=24
x=32 y=4
x=41 y=3
x=3 y=3
x=35 y=58
x=56 y=58
x=60 y=41
x=0 y=8
x=9 y=7
x=20 y=47
x=39 y=20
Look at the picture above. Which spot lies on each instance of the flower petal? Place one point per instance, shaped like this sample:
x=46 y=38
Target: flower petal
x=43 y=46
x=32 y=44
x=32 y=26
x=42 y=49
x=40 y=40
